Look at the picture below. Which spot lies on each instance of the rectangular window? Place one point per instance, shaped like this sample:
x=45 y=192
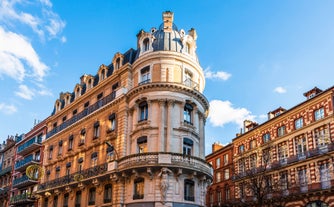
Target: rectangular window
x=187 y=113
x=218 y=177
x=325 y=177
x=266 y=137
x=319 y=114
x=82 y=137
x=112 y=123
x=241 y=148
x=226 y=174
x=225 y=159
x=218 y=163
x=91 y=196
x=302 y=175
x=50 y=152
x=107 y=193
x=252 y=161
x=143 y=111
x=219 y=197
x=227 y=192
x=96 y=130
x=266 y=158
x=281 y=131
x=138 y=189
x=77 y=199
x=60 y=147
x=321 y=137
x=66 y=197
x=145 y=76
x=46 y=201
x=187 y=146
x=70 y=142
x=142 y=144
x=252 y=144
x=55 y=201
x=284 y=180
x=283 y=153
x=94 y=159
x=301 y=147
x=189 y=190
x=242 y=166
x=299 y=123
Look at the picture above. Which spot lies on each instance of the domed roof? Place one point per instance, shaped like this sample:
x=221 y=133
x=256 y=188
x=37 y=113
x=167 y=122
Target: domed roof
x=167 y=40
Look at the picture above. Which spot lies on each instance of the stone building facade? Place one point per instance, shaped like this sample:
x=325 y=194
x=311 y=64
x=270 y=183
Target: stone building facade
x=133 y=134
x=288 y=160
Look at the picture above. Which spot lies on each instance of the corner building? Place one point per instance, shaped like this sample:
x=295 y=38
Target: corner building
x=133 y=134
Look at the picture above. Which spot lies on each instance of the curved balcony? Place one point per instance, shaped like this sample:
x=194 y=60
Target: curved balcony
x=164 y=159
x=22 y=165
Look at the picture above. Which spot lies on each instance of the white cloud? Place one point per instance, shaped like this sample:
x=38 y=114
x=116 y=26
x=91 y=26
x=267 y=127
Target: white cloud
x=14 y=49
x=221 y=75
x=7 y=109
x=25 y=92
x=222 y=112
x=280 y=89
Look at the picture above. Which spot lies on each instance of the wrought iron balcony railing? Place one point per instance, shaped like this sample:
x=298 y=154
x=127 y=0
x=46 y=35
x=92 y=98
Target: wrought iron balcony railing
x=28 y=144
x=23 y=163
x=68 y=179
x=22 y=198
x=6 y=170
x=90 y=109
x=24 y=180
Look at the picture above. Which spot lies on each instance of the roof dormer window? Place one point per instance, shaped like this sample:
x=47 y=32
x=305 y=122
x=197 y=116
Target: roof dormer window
x=78 y=92
x=146 y=44
x=118 y=63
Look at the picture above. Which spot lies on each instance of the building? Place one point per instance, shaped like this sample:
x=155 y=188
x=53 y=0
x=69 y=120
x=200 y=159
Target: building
x=221 y=191
x=7 y=152
x=28 y=167
x=133 y=134
x=288 y=160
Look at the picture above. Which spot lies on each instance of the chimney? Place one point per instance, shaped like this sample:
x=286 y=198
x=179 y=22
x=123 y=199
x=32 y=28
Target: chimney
x=216 y=146
x=168 y=18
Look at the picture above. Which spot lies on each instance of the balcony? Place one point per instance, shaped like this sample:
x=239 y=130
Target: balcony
x=70 y=179
x=90 y=109
x=21 y=165
x=6 y=170
x=144 y=160
x=30 y=145
x=23 y=181
x=190 y=83
x=22 y=199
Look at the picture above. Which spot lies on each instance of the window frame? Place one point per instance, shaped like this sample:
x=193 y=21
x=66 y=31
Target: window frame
x=319 y=114
x=138 y=188
x=299 y=123
x=189 y=190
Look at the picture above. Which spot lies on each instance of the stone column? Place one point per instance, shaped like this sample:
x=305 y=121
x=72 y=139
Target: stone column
x=170 y=106
x=201 y=128
x=162 y=143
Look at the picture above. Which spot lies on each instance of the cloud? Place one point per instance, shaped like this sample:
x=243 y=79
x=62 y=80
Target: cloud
x=222 y=112
x=7 y=109
x=14 y=49
x=25 y=92
x=221 y=75
x=280 y=90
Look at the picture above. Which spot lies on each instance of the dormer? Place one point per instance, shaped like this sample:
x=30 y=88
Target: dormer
x=67 y=98
x=77 y=91
x=189 y=41
x=58 y=105
x=312 y=93
x=145 y=40
x=118 y=61
x=249 y=125
x=276 y=112
x=88 y=80
x=102 y=72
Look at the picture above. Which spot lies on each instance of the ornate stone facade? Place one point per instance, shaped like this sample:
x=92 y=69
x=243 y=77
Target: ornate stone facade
x=132 y=135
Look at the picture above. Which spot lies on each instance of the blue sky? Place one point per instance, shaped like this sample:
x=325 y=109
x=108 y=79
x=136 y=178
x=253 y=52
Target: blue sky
x=257 y=55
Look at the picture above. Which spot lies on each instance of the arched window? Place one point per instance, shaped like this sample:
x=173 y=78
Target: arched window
x=227 y=192
x=138 y=189
x=142 y=144
x=146 y=44
x=317 y=204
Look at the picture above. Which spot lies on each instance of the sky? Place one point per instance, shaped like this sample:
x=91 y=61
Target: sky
x=256 y=55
